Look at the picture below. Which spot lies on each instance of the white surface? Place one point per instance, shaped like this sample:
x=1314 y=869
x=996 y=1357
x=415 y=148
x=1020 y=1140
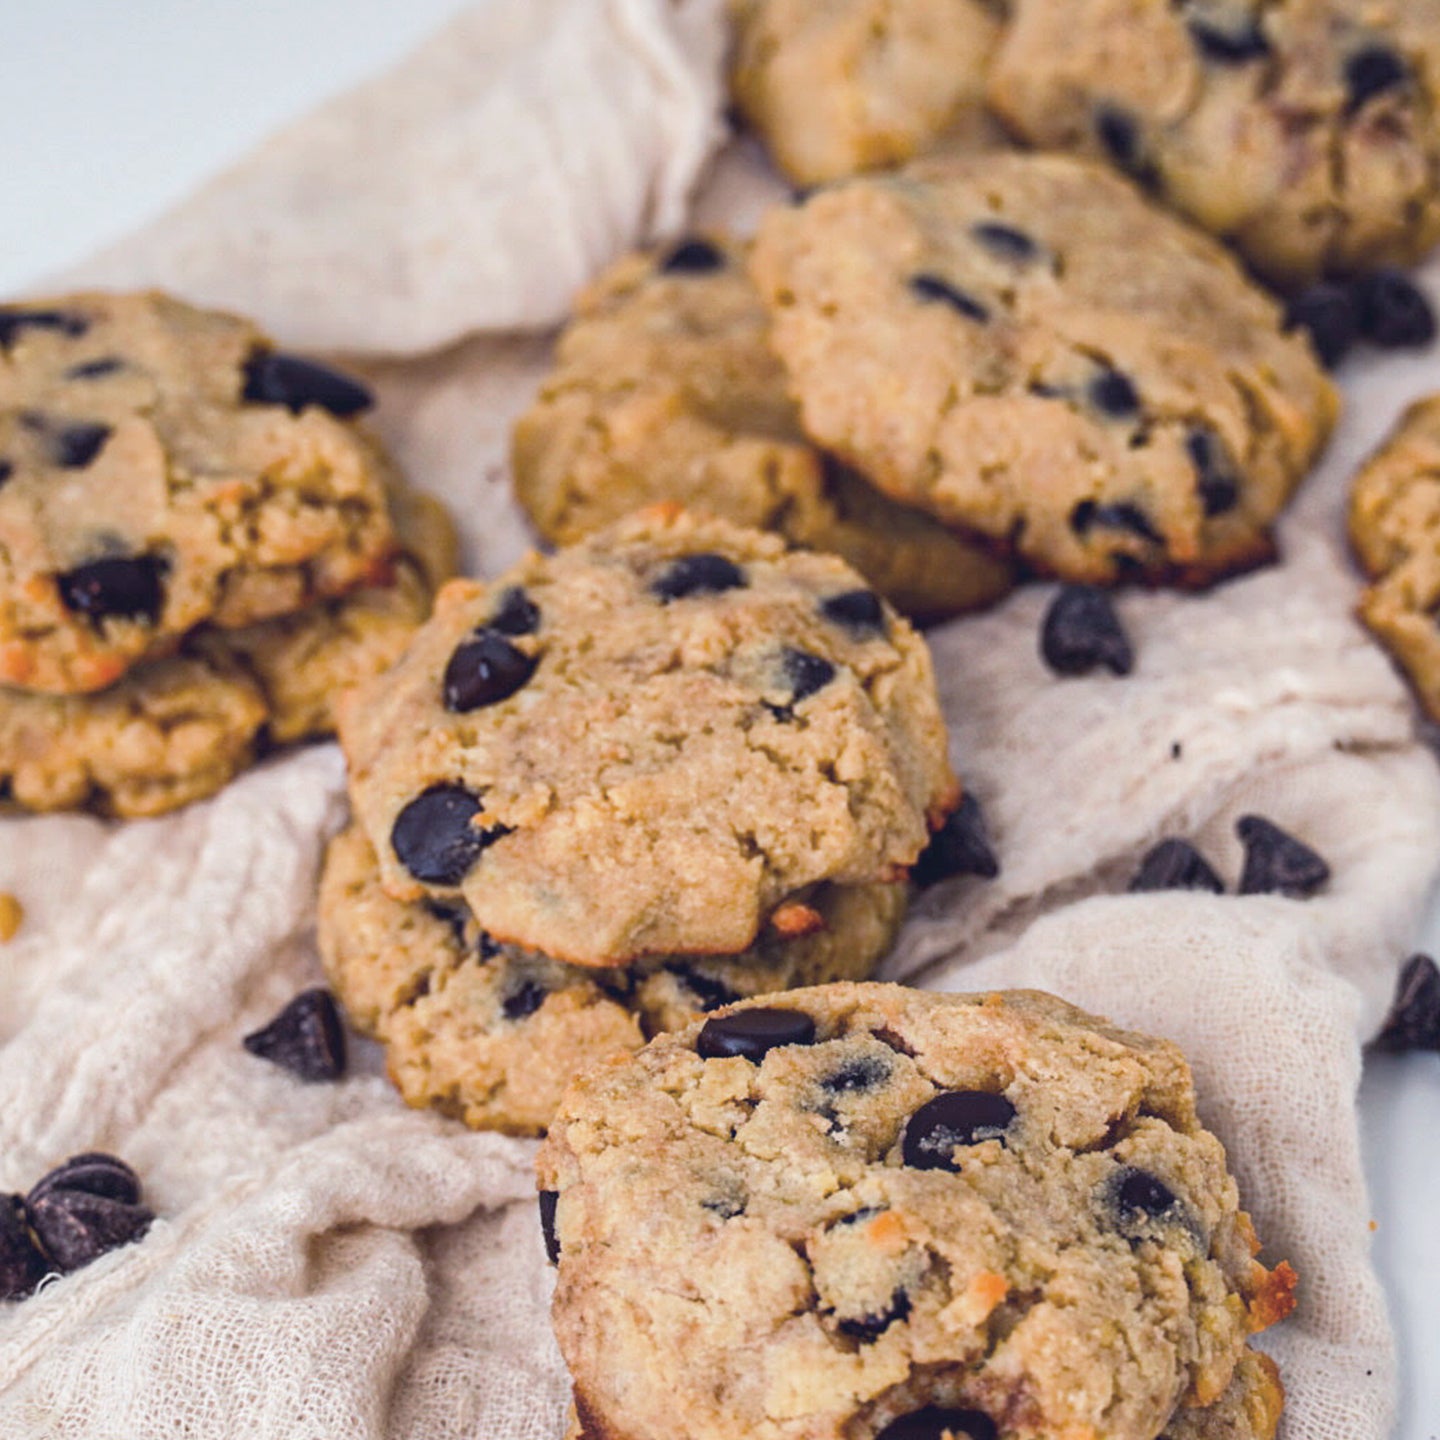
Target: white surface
x=116 y=110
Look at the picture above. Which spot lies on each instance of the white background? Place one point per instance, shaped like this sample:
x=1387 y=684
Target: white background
x=113 y=111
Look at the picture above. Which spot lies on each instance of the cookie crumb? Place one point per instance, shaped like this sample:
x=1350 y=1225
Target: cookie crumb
x=12 y=913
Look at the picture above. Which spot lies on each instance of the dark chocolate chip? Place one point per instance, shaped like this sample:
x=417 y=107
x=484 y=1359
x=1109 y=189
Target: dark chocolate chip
x=1414 y=1019
x=1113 y=394
x=484 y=670
x=1215 y=480
x=806 y=673
x=434 y=839
x=727 y=1207
x=1276 y=863
x=1005 y=241
x=75 y=1226
x=753 y=1033
x=934 y=1423
x=701 y=574
x=871 y=1327
x=487 y=946
x=961 y=846
x=516 y=614
x=1176 y=865
x=121 y=587
x=932 y=287
x=1081 y=630
x=1120 y=136
x=1119 y=515
x=1233 y=44
x=1393 y=312
x=1370 y=72
x=73 y=447
x=13 y=321
x=96 y=1174
x=1328 y=314
x=692 y=257
x=525 y=999
x=548 y=1201
x=858 y=611
x=305 y=1038
x=1137 y=1196
x=456 y=915
x=274 y=378
x=22 y=1265
x=865 y=1072
x=709 y=992
x=6 y=471
x=95 y=369
x=953 y=1119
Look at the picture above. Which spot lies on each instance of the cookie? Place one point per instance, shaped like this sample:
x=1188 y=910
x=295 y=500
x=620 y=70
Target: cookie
x=873 y=1204
x=1024 y=347
x=492 y=1034
x=649 y=743
x=163 y=466
x=175 y=730
x=1395 y=531
x=664 y=389
x=850 y=85
x=1305 y=132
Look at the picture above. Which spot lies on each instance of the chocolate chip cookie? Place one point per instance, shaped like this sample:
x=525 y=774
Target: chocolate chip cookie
x=1305 y=132
x=161 y=466
x=1025 y=347
x=650 y=743
x=492 y=1034
x=880 y=1212
x=665 y=389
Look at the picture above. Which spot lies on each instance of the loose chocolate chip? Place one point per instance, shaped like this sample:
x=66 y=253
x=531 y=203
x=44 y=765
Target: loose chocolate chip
x=434 y=839
x=933 y=1423
x=548 y=1200
x=863 y=1073
x=1215 y=479
x=961 y=846
x=1414 y=1019
x=932 y=287
x=1138 y=1196
x=692 y=257
x=1276 y=863
x=753 y=1033
x=1176 y=865
x=274 y=378
x=1113 y=394
x=953 y=1119
x=1370 y=72
x=95 y=369
x=75 y=1226
x=1005 y=241
x=858 y=611
x=806 y=673
x=484 y=670
x=1081 y=630
x=1120 y=515
x=1119 y=134
x=1327 y=313
x=516 y=614
x=22 y=1265
x=710 y=993
x=122 y=587
x=702 y=574
x=525 y=999
x=96 y=1174
x=1393 y=311
x=12 y=322
x=871 y=1327
x=1234 y=44
x=305 y=1038
x=75 y=446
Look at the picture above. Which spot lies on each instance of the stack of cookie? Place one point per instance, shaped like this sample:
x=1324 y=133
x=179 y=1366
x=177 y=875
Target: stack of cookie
x=199 y=549
x=668 y=768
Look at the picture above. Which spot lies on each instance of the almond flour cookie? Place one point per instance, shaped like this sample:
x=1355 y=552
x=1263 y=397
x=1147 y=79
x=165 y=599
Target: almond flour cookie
x=161 y=466
x=1023 y=346
x=492 y=1034
x=175 y=730
x=650 y=743
x=845 y=85
x=1305 y=132
x=664 y=389
x=880 y=1212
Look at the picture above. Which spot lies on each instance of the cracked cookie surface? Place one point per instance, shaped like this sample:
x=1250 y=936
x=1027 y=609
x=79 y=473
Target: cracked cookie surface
x=665 y=389
x=875 y=1203
x=648 y=743
x=163 y=466
x=1025 y=347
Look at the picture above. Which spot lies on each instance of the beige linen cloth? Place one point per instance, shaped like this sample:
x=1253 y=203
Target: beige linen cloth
x=327 y=1263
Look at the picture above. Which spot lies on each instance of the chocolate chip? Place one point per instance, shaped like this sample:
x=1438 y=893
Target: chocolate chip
x=934 y=1423
x=953 y=1119
x=74 y=446
x=1414 y=1019
x=484 y=670
x=858 y=611
x=1113 y=394
x=1370 y=72
x=1005 y=241
x=692 y=257
x=708 y=991
x=6 y=471
x=753 y=1033
x=806 y=673
x=871 y=1327
x=305 y=1038
x=1327 y=313
x=727 y=1207
x=525 y=999
x=1215 y=479
x=122 y=587
x=1081 y=630
x=865 y=1072
x=95 y=369
x=1119 y=515
x=1234 y=44
x=548 y=1200
x=1137 y=1196
x=75 y=1227
x=96 y=1174
x=1120 y=136
x=65 y=322
x=22 y=1264
x=1393 y=311
x=274 y=378
x=1276 y=863
x=932 y=287
x=1175 y=865
x=516 y=614
x=961 y=846
x=456 y=916
x=701 y=574
x=434 y=839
